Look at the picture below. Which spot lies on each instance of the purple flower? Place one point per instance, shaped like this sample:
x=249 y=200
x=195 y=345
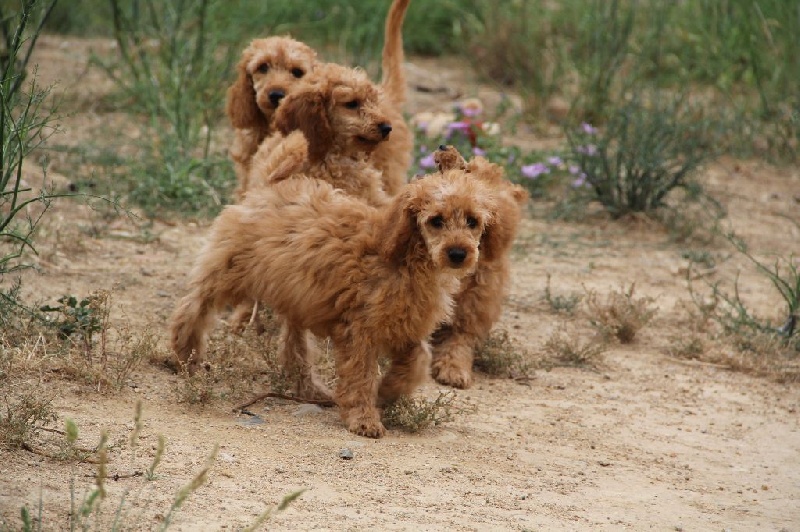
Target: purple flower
x=580 y=182
x=423 y=149
x=574 y=169
x=555 y=161
x=427 y=161
x=458 y=126
x=589 y=129
x=532 y=171
x=589 y=149
x=511 y=158
x=480 y=152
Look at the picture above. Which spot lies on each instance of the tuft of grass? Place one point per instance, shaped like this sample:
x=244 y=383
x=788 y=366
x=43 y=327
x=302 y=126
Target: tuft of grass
x=621 y=316
x=501 y=356
x=23 y=414
x=417 y=414
x=561 y=304
x=563 y=349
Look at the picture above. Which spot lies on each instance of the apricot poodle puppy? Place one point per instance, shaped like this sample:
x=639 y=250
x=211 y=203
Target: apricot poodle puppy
x=479 y=302
x=333 y=121
x=377 y=281
x=270 y=69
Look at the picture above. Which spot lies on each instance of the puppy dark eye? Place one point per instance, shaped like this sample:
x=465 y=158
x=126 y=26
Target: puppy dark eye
x=472 y=222
x=263 y=68
x=437 y=222
x=352 y=104
x=298 y=72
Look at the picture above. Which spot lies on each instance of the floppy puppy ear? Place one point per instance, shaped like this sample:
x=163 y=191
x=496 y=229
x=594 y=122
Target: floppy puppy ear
x=400 y=240
x=498 y=236
x=307 y=111
x=487 y=171
x=241 y=106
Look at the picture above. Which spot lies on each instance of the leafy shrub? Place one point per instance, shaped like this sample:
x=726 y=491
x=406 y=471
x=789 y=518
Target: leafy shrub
x=27 y=121
x=646 y=150
x=173 y=67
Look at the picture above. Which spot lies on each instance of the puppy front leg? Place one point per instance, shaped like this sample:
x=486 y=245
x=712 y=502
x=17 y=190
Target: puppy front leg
x=357 y=388
x=410 y=368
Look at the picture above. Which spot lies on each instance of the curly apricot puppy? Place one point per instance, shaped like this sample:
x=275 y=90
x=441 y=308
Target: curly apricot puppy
x=479 y=301
x=268 y=70
x=334 y=120
x=377 y=281
x=271 y=68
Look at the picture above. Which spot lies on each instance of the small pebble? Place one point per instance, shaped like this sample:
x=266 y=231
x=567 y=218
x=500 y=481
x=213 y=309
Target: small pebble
x=346 y=454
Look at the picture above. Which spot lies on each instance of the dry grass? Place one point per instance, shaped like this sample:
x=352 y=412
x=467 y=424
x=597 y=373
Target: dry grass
x=417 y=414
x=565 y=349
x=621 y=316
x=502 y=356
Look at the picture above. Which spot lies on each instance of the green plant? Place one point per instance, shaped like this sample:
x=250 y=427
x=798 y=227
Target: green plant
x=27 y=121
x=647 y=149
x=621 y=315
x=172 y=66
x=83 y=318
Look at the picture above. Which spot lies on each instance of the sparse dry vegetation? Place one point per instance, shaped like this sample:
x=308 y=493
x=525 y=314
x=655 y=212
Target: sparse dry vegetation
x=566 y=349
x=415 y=414
x=621 y=315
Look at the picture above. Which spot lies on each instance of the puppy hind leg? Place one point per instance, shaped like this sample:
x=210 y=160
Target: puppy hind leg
x=298 y=357
x=190 y=323
x=410 y=368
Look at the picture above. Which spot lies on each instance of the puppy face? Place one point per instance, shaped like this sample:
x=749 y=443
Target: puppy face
x=269 y=70
x=452 y=216
x=337 y=109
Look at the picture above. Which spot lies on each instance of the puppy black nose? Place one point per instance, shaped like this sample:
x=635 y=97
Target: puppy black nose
x=442 y=147
x=385 y=129
x=276 y=96
x=456 y=255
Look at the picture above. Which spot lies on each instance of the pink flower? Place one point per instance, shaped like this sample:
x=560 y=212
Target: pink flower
x=589 y=149
x=555 y=161
x=480 y=152
x=589 y=129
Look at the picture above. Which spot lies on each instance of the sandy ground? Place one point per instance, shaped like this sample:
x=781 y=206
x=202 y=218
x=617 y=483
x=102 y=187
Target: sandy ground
x=645 y=441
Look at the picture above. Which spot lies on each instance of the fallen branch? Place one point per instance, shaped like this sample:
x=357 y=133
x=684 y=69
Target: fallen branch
x=275 y=395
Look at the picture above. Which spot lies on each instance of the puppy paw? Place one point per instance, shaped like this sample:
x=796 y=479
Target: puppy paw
x=445 y=372
x=367 y=424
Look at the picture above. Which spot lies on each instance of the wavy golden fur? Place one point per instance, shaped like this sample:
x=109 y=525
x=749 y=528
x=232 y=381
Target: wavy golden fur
x=270 y=70
x=377 y=281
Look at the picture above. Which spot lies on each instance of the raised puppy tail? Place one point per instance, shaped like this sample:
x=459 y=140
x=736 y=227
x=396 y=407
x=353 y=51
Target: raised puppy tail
x=394 y=77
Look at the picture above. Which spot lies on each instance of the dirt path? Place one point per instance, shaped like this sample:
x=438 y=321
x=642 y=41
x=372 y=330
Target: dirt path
x=647 y=441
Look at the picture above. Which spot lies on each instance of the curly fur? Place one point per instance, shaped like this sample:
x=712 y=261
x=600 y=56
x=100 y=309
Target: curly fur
x=478 y=304
x=251 y=110
x=377 y=281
